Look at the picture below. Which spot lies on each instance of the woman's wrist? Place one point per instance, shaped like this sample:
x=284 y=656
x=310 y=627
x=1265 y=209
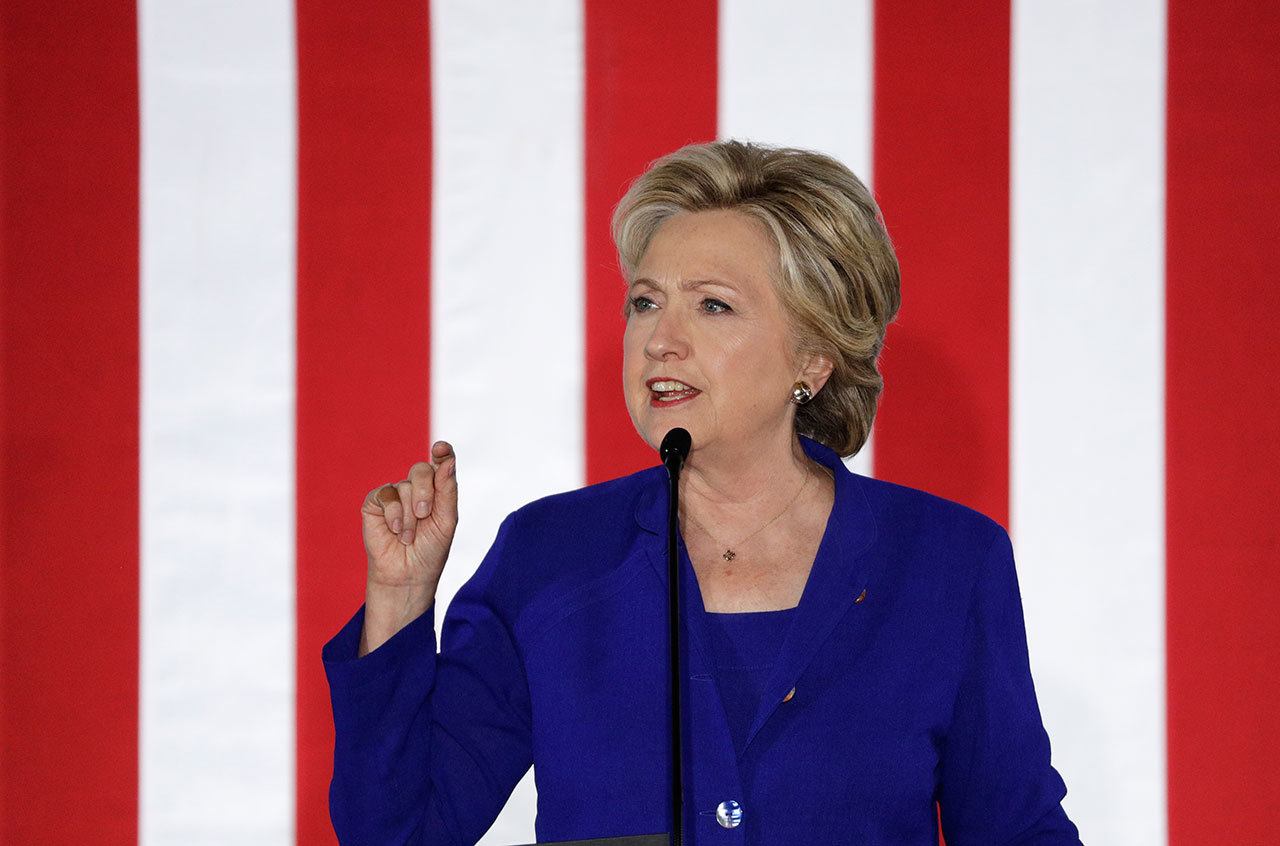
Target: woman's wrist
x=389 y=609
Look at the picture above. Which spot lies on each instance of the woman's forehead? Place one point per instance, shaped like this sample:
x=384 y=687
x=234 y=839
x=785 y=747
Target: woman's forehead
x=707 y=248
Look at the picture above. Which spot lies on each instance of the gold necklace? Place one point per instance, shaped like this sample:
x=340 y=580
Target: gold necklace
x=729 y=554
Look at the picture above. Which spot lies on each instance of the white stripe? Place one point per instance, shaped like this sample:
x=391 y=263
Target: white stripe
x=800 y=79
x=217 y=651
x=1087 y=487
x=507 y=327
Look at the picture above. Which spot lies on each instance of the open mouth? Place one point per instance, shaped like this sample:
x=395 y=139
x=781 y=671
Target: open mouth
x=675 y=396
x=670 y=391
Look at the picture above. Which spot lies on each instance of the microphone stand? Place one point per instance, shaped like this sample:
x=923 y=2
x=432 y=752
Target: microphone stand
x=675 y=448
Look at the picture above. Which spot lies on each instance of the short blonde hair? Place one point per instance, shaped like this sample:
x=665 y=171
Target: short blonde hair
x=840 y=278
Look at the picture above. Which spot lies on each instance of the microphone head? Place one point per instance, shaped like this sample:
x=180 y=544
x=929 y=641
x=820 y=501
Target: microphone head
x=675 y=447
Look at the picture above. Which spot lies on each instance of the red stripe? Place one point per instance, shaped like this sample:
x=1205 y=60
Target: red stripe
x=69 y=429
x=650 y=88
x=1223 y=421
x=941 y=165
x=363 y=311
x=941 y=151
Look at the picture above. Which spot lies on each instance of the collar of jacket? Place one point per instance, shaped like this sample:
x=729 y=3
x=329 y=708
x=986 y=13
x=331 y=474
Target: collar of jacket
x=841 y=572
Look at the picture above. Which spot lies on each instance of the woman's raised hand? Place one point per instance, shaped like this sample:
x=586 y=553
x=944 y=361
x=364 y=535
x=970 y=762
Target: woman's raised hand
x=409 y=526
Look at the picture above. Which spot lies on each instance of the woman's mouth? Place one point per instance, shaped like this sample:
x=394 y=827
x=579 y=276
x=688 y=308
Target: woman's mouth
x=668 y=392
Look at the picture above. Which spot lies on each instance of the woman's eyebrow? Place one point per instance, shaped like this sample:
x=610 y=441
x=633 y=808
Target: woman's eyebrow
x=685 y=285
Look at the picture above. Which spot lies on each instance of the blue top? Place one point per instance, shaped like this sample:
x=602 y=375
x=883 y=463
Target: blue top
x=907 y=653
x=744 y=646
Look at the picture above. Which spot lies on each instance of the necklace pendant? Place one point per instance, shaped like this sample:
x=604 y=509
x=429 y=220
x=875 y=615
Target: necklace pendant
x=729 y=555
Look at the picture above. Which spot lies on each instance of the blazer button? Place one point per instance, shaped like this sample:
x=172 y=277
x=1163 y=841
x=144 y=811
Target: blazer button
x=790 y=694
x=729 y=814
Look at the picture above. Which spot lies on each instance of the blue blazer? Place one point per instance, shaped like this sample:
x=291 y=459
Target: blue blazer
x=907 y=656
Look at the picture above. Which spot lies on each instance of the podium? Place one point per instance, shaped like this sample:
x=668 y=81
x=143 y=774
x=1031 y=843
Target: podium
x=637 y=840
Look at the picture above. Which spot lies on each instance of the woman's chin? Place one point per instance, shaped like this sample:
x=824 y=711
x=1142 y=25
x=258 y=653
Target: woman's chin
x=653 y=424
x=657 y=426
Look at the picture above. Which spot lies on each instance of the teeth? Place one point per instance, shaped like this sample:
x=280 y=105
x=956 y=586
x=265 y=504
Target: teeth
x=670 y=385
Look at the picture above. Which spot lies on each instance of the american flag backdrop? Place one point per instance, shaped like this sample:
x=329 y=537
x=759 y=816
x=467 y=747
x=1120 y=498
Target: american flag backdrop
x=258 y=254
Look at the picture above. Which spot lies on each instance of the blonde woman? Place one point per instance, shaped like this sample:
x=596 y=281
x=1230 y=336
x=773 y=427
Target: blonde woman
x=855 y=649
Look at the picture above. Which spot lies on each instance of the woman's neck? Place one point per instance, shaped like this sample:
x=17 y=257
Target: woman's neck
x=748 y=482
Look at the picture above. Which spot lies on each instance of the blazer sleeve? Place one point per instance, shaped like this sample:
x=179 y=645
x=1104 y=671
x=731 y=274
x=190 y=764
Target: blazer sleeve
x=997 y=786
x=427 y=746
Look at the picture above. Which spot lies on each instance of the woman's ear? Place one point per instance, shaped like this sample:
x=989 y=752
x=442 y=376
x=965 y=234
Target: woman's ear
x=817 y=371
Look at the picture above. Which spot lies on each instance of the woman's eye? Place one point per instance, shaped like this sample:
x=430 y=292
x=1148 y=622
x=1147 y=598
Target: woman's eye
x=641 y=303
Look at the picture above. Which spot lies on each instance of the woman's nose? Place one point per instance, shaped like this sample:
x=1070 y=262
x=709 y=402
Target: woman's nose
x=668 y=338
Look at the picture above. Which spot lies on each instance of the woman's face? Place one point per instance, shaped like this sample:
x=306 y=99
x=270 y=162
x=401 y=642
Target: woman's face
x=707 y=344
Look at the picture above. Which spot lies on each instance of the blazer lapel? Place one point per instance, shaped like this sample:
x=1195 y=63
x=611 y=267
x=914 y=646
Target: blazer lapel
x=840 y=574
x=651 y=514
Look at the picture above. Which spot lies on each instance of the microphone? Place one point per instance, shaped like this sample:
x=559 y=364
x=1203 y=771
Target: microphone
x=674 y=450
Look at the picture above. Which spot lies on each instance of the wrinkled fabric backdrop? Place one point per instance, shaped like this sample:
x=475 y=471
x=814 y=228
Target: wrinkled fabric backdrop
x=258 y=254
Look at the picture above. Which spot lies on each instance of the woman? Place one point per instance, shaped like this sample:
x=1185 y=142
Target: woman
x=855 y=648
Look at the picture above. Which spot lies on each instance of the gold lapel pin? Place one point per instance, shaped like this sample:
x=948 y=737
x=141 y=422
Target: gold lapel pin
x=861 y=596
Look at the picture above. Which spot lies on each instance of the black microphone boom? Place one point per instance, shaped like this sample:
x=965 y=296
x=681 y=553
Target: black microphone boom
x=674 y=450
